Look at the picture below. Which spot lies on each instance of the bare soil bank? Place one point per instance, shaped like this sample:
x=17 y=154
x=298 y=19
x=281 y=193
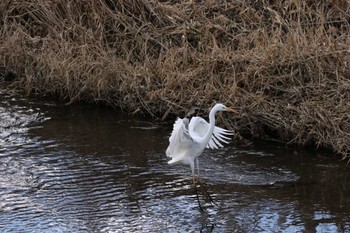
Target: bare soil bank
x=283 y=64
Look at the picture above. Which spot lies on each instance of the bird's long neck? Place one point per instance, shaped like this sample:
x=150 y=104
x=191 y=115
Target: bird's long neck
x=212 y=125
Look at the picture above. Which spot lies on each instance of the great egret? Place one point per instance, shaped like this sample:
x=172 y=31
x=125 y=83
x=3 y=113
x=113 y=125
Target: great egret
x=189 y=138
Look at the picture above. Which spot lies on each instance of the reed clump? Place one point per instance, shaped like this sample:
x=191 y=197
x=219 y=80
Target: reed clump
x=284 y=64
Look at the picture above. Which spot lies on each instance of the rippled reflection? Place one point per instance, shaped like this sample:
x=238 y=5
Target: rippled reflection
x=89 y=169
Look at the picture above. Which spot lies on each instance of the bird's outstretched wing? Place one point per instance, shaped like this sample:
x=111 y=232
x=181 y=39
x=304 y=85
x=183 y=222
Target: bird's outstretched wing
x=180 y=140
x=219 y=135
x=198 y=128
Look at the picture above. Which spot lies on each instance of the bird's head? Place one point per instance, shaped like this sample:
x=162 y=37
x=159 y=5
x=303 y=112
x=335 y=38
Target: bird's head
x=221 y=107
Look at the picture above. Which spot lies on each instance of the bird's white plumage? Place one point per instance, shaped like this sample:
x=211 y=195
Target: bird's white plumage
x=189 y=139
x=180 y=140
x=198 y=128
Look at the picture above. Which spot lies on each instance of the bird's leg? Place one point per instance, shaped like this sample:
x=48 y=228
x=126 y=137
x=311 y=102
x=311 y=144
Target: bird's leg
x=206 y=192
x=203 y=186
x=196 y=190
x=197 y=164
x=195 y=186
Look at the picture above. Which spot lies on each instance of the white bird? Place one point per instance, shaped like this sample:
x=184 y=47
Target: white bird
x=189 y=139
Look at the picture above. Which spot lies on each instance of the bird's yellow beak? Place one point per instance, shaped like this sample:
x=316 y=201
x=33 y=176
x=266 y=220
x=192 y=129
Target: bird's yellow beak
x=231 y=110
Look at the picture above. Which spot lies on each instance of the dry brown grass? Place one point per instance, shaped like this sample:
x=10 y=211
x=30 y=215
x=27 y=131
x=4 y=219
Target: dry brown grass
x=284 y=64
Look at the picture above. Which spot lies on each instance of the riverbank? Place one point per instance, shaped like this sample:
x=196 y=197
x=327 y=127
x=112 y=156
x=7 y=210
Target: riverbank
x=284 y=65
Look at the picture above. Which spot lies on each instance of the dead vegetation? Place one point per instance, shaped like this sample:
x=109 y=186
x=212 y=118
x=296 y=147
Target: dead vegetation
x=284 y=64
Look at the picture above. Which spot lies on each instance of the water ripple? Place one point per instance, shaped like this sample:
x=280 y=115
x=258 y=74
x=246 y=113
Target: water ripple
x=87 y=170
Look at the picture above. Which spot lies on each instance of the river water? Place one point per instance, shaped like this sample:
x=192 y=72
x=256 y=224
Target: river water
x=93 y=169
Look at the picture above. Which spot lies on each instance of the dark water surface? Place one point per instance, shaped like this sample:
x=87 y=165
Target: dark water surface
x=90 y=169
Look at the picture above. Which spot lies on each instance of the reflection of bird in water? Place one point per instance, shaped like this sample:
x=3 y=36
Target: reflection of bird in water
x=190 y=138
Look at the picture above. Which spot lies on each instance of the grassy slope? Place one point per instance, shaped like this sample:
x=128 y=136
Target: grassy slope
x=284 y=64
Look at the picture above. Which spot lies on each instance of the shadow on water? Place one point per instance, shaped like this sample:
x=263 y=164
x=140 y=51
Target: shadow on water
x=91 y=169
